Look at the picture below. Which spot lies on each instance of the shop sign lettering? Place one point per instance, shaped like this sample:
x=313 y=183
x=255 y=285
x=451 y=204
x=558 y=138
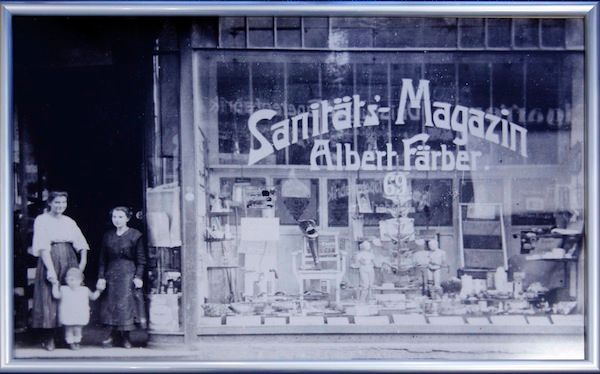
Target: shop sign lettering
x=352 y=112
x=553 y=118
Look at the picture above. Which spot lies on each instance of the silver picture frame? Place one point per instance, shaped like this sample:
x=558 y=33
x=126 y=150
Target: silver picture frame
x=589 y=11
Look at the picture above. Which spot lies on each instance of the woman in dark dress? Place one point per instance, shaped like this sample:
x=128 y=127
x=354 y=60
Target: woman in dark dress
x=56 y=241
x=121 y=269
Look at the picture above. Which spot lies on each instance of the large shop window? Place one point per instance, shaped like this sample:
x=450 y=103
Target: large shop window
x=396 y=235
x=507 y=85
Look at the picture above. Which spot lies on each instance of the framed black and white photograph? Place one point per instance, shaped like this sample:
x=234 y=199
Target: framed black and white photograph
x=299 y=186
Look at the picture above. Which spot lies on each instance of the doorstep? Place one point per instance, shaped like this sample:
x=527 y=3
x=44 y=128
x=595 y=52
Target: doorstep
x=87 y=352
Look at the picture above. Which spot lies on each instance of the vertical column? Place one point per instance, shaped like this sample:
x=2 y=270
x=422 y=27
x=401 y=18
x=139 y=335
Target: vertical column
x=576 y=271
x=188 y=172
x=591 y=161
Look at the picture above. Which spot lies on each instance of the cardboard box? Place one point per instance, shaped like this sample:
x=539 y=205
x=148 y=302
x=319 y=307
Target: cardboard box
x=164 y=312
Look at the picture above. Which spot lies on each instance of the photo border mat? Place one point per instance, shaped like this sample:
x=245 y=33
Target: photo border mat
x=588 y=10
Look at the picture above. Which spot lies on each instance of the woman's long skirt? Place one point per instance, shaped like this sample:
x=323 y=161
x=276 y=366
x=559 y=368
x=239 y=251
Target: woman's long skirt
x=120 y=308
x=45 y=307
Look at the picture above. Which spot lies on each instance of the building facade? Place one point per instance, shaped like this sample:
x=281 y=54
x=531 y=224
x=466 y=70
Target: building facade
x=302 y=134
x=351 y=175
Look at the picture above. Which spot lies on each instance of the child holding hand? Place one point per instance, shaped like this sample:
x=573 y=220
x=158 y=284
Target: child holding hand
x=74 y=307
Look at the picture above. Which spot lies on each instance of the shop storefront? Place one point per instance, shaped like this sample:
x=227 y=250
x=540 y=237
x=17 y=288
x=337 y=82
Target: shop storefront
x=343 y=172
x=323 y=174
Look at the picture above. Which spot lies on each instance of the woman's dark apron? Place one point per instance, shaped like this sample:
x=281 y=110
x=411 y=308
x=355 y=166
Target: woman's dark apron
x=120 y=305
x=45 y=307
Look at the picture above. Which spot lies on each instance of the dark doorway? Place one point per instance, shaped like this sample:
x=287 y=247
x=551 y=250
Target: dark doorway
x=89 y=144
x=83 y=94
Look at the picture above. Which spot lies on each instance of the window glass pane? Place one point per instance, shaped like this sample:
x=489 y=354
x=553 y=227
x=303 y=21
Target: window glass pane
x=316 y=37
x=288 y=22
x=337 y=202
x=267 y=93
x=261 y=31
x=498 y=32
x=472 y=32
x=574 y=31
x=258 y=23
x=398 y=32
x=508 y=93
x=443 y=88
x=553 y=32
x=372 y=84
x=526 y=32
x=169 y=103
x=316 y=32
x=163 y=145
x=474 y=92
x=474 y=85
x=412 y=117
x=338 y=79
x=303 y=89
x=542 y=98
x=288 y=32
x=233 y=93
x=338 y=82
x=440 y=32
x=292 y=206
x=507 y=86
x=321 y=22
x=233 y=32
x=343 y=38
x=351 y=32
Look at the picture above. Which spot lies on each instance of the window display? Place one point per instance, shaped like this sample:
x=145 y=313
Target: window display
x=392 y=182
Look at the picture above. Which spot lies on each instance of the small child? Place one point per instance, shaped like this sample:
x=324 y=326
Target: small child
x=74 y=307
x=365 y=260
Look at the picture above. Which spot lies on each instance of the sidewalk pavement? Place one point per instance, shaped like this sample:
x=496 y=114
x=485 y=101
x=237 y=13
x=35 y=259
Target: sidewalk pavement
x=231 y=351
x=313 y=347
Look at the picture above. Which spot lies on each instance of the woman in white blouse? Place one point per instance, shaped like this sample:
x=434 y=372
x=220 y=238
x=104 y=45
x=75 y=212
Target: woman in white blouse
x=56 y=239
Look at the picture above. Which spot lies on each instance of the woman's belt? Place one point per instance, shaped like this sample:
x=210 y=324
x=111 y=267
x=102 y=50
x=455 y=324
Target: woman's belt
x=63 y=242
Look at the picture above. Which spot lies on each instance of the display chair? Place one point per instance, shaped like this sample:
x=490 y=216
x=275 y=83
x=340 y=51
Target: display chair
x=332 y=264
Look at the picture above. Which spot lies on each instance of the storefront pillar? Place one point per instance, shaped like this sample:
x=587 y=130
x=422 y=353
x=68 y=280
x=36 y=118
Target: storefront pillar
x=189 y=196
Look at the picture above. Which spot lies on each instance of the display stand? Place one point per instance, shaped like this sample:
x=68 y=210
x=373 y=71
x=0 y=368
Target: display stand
x=331 y=258
x=482 y=238
x=222 y=259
